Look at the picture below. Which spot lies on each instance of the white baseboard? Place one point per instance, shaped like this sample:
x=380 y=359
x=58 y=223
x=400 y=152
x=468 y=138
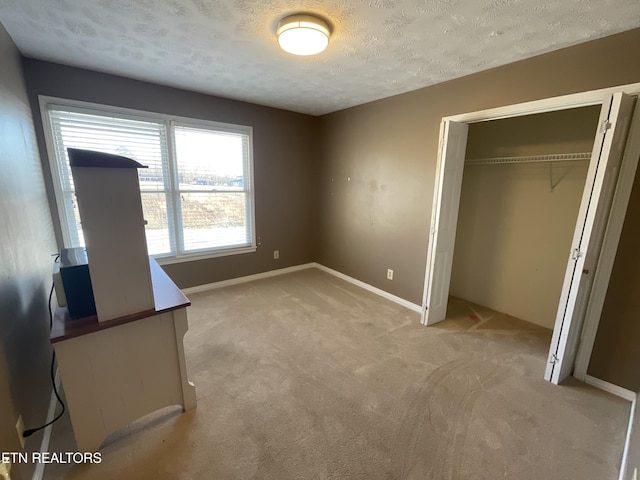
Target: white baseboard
x=610 y=387
x=625 y=466
x=248 y=278
x=296 y=268
x=371 y=288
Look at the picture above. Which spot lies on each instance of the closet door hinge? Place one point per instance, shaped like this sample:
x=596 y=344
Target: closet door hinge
x=553 y=359
x=605 y=125
x=576 y=254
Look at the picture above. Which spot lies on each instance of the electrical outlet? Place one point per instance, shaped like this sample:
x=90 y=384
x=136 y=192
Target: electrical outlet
x=20 y=430
x=276 y=254
x=389 y=274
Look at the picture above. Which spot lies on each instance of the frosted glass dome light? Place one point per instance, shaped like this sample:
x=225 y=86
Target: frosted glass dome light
x=303 y=34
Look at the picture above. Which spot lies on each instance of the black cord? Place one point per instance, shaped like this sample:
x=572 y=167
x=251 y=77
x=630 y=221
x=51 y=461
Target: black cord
x=31 y=431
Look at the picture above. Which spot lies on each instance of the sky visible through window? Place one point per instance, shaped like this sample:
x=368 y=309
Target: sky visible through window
x=208 y=154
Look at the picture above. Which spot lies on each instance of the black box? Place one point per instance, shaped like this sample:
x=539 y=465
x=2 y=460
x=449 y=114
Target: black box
x=74 y=271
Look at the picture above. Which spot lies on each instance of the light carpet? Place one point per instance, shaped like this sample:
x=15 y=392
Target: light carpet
x=305 y=376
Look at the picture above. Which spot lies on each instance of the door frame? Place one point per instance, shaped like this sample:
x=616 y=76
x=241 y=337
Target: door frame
x=618 y=209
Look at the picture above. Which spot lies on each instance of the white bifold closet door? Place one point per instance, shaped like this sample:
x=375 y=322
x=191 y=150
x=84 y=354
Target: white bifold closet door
x=444 y=220
x=595 y=206
x=593 y=214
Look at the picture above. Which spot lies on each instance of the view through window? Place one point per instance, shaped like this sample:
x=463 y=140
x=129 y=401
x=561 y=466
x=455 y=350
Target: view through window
x=196 y=192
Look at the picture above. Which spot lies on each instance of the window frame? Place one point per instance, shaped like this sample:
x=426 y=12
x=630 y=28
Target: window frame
x=169 y=121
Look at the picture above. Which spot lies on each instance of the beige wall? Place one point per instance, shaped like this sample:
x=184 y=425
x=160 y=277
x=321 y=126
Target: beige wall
x=379 y=158
x=285 y=162
x=563 y=131
x=26 y=245
x=380 y=218
x=514 y=232
x=514 y=237
x=616 y=352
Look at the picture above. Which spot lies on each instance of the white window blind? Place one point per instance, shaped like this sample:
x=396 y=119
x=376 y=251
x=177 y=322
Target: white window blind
x=196 y=192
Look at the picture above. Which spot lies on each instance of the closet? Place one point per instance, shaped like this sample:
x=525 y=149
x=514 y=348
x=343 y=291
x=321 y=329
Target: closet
x=521 y=190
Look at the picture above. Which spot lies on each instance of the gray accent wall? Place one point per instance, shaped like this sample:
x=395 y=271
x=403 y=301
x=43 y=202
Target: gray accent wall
x=26 y=245
x=286 y=162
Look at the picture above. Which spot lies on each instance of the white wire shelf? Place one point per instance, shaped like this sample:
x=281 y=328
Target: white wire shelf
x=557 y=157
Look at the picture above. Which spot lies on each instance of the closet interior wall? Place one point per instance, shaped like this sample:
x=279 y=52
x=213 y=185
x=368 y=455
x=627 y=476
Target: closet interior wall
x=516 y=219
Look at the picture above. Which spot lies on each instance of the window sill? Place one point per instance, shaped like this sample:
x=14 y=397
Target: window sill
x=204 y=255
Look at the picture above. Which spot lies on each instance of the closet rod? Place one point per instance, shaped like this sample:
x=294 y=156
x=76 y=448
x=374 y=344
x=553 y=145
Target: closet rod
x=558 y=157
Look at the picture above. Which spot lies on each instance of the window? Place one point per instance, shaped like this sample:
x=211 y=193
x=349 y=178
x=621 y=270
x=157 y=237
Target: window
x=197 y=193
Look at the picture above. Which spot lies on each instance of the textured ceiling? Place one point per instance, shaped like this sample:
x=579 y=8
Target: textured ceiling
x=378 y=48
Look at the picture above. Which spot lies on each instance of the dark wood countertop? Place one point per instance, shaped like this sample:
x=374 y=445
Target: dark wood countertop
x=167 y=297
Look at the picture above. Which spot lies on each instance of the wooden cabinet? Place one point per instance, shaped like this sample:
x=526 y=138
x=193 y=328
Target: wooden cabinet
x=115 y=372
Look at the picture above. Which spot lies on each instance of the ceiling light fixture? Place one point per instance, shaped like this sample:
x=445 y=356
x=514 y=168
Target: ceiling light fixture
x=303 y=34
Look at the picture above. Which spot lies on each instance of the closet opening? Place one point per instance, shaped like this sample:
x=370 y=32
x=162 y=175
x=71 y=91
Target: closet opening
x=515 y=232
x=521 y=190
